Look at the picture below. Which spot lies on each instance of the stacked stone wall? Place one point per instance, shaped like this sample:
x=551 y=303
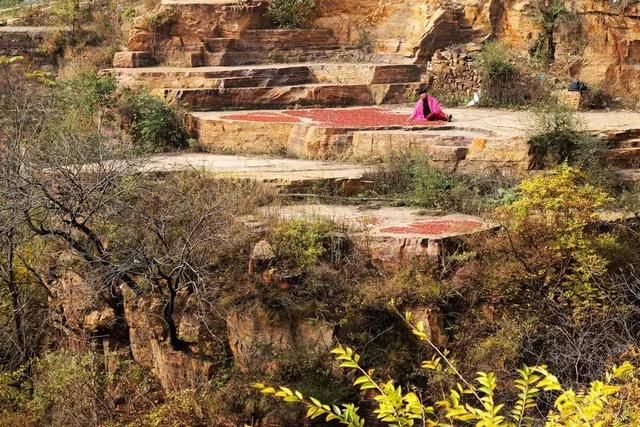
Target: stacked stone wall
x=452 y=71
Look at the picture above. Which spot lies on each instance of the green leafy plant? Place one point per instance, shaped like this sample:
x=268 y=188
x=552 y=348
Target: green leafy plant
x=558 y=135
x=412 y=179
x=154 y=125
x=291 y=13
x=556 y=208
x=504 y=83
x=301 y=242
x=466 y=403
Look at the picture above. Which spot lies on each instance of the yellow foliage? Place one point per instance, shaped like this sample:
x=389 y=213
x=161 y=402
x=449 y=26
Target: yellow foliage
x=469 y=404
x=554 y=210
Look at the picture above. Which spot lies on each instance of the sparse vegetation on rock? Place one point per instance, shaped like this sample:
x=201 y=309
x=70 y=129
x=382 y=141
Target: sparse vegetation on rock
x=291 y=13
x=143 y=283
x=505 y=82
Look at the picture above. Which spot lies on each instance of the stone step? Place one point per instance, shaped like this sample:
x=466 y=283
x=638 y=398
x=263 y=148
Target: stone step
x=292 y=175
x=288 y=39
x=25 y=41
x=214 y=77
x=624 y=158
x=310 y=95
x=277 y=56
x=270 y=45
x=630 y=175
x=629 y=143
x=259 y=40
x=269 y=75
x=618 y=136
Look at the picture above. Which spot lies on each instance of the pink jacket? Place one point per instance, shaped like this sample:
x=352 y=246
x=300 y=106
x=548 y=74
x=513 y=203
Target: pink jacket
x=434 y=107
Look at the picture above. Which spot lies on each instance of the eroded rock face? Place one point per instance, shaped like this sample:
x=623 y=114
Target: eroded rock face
x=176 y=370
x=81 y=308
x=260 y=342
x=598 y=42
x=433 y=321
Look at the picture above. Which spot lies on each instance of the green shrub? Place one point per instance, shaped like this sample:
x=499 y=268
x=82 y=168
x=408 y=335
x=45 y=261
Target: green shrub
x=554 y=210
x=70 y=13
x=66 y=388
x=412 y=179
x=503 y=83
x=495 y=61
x=86 y=93
x=154 y=125
x=291 y=13
x=558 y=136
x=301 y=242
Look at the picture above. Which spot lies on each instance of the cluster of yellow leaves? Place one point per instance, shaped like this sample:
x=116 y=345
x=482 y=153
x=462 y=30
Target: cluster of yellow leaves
x=467 y=404
x=554 y=210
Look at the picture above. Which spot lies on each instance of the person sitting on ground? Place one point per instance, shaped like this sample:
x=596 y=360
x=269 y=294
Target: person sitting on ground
x=429 y=108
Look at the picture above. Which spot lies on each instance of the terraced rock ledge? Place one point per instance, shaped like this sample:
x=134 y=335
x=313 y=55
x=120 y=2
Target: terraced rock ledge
x=395 y=236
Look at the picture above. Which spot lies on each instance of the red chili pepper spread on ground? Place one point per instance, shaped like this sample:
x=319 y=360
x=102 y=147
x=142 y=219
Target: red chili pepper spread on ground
x=435 y=227
x=353 y=117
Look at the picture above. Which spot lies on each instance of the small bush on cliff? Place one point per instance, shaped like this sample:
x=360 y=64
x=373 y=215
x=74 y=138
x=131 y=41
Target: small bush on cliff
x=504 y=83
x=301 y=242
x=291 y=13
x=549 y=14
x=412 y=179
x=154 y=125
x=558 y=136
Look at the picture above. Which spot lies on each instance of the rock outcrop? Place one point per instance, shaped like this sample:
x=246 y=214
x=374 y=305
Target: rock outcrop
x=261 y=342
x=26 y=42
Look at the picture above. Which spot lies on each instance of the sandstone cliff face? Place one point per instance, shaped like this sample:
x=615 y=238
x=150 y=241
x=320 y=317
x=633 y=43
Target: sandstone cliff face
x=260 y=339
x=260 y=343
x=395 y=26
x=597 y=42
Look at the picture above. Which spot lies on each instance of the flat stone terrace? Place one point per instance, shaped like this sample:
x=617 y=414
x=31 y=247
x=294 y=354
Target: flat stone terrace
x=287 y=174
x=475 y=141
x=395 y=236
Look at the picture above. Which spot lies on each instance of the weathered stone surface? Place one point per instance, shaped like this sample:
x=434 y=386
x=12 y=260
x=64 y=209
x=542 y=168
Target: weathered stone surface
x=394 y=237
x=477 y=141
x=175 y=370
x=176 y=29
x=261 y=257
x=273 y=97
x=132 y=59
x=240 y=137
x=268 y=75
x=288 y=174
x=452 y=71
x=572 y=100
x=393 y=26
x=439 y=145
x=433 y=320
x=260 y=341
x=596 y=44
x=83 y=311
